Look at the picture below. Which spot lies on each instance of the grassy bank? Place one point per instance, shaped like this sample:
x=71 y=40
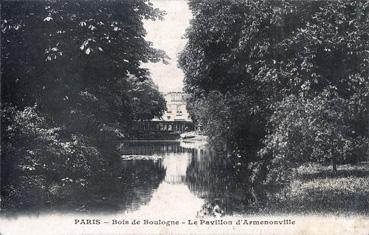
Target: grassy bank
x=316 y=189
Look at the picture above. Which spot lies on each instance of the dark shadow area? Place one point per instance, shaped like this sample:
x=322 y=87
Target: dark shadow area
x=129 y=185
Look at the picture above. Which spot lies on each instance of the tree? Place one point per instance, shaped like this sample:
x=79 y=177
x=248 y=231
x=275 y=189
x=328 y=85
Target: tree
x=310 y=130
x=262 y=53
x=61 y=55
x=66 y=68
x=147 y=101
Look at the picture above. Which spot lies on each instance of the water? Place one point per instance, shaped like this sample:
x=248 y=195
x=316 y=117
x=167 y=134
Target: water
x=197 y=181
x=164 y=181
x=166 y=178
x=172 y=197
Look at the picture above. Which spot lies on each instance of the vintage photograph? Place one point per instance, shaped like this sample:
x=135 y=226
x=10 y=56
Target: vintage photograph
x=184 y=117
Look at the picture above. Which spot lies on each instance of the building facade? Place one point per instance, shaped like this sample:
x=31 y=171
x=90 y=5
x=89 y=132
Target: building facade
x=175 y=120
x=176 y=107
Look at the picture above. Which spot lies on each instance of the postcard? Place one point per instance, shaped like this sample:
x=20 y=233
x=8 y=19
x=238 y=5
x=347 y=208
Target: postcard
x=184 y=117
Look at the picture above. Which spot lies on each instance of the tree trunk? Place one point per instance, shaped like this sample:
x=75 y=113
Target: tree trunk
x=333 y=158
x=334 y=165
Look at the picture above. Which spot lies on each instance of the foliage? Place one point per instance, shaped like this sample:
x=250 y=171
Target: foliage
x=213 y=114
x=68 y=93
x=147 y=101
x=311 y=130
x=279 y=63
x=72 y=60
x=38 y=158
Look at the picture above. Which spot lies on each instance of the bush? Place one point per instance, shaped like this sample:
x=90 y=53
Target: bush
x=37 y=162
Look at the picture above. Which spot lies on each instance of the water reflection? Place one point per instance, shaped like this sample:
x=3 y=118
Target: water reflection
x=170 y=179
x=211 y=175
x=198 y=181
x=125 y=186
x=172 y=198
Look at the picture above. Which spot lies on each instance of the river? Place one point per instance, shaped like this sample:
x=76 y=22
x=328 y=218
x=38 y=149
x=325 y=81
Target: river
x=170 y=188
x=171 y=177
x=191 y=180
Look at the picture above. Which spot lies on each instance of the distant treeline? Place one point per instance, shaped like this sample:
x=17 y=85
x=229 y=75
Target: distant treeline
x=71 y=86
x=281 y=83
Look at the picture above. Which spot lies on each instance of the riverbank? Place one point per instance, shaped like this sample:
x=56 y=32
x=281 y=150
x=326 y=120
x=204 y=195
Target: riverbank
x=316 y=189
x=146 y=186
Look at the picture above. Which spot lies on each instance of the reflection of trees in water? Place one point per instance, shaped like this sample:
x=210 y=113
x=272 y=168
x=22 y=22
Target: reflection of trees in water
x=131 y=186
x=212 y=176
x=124 y=186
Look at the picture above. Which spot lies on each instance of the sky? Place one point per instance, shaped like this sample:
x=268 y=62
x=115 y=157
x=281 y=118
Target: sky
x=168 y=35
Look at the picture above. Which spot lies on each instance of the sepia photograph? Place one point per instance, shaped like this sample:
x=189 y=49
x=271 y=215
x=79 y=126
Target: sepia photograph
x=184 y=117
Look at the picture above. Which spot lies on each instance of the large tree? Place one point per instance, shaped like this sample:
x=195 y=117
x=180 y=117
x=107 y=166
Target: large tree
x=62 y=54
x=260 y=54
x=66 y=90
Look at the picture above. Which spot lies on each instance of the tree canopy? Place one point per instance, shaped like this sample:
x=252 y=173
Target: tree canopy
x=274 y=64
x=64 y=54
x=72 y=83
